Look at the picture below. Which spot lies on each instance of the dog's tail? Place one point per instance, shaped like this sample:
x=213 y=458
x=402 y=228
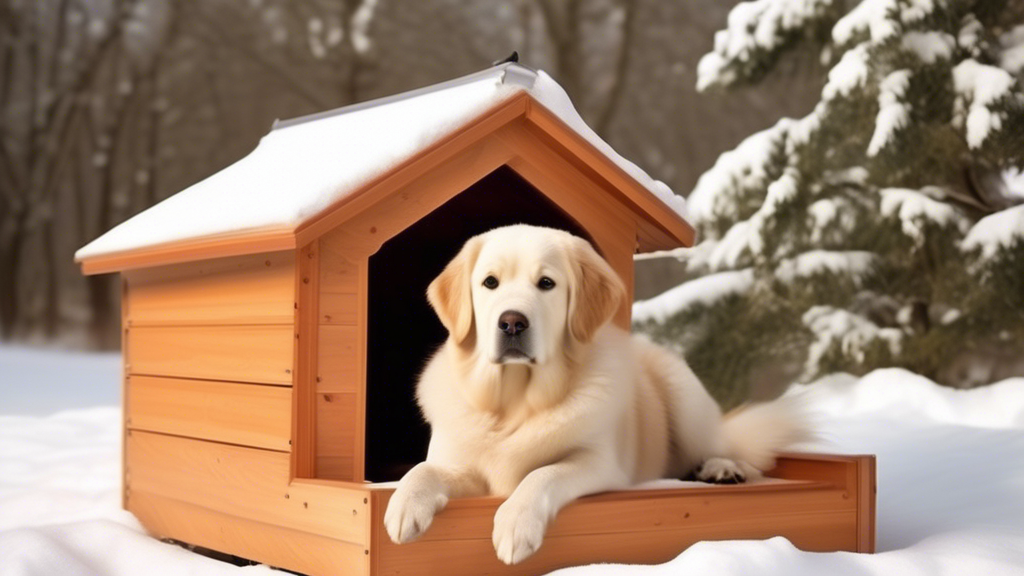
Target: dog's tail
x=755 y=433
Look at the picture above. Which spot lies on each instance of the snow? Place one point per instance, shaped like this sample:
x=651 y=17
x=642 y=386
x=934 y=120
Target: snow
x=912 y=397
x=1011 y=58
x=36 y=381
x=852 y=333
x=854 y=264
x=301 y=168
x=850 y=73
x=996 y=232
x=780 y=192
x=704 y=291
x=747 y=236
x=893 y=111
x=970 y=34
x=361 y=20
x=978 y=87
x=755 y=26
x=929 y=46
x=950 y=490
x=741 y=239
x=875 y=18
x=830 y=219
x=739 y=169
x=915 y=211
x=1014 y=180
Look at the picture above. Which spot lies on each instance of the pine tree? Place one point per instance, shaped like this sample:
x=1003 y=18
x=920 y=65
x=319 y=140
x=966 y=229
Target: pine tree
x=886 y=227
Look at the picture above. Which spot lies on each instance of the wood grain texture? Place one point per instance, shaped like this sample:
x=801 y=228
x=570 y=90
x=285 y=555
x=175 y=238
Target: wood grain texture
x=336 y=434
x=246 y=414
x=125 y=360
x=339 y=359
x=190 y=251
x=257 y=354
x=248 y=483
x=817 y=510
x=461 y=143
x=273 y=545
x=335 y=467
x=339 y=308
x=304 y=416
x=251 y=289
x=663 y=228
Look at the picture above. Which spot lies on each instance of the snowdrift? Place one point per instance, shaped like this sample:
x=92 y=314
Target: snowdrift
x=950 y=496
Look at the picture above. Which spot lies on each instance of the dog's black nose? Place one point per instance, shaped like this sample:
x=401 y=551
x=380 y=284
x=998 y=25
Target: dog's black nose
x=511 y=322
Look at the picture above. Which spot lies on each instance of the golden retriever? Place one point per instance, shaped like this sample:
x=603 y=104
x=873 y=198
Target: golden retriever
x=536 y=397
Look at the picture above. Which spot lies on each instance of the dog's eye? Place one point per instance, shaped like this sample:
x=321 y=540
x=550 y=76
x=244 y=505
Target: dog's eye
x=490 y=282
x=545 y=283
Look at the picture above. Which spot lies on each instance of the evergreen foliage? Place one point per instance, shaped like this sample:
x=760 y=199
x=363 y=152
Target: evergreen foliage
x=886 y=227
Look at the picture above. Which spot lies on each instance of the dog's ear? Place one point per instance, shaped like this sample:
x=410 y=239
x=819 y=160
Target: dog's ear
x=450 y=293
x=596 y=292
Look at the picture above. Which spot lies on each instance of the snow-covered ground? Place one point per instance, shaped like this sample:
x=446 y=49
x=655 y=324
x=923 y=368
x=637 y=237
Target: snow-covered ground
x=40 y=382
x=950 y=482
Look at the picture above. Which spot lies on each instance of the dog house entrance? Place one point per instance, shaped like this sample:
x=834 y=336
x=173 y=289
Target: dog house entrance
x=403 y=330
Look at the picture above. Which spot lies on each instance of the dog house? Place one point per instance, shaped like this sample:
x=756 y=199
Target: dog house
x=275 y=320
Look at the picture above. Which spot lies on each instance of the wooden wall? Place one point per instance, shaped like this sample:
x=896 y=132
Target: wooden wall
x=341 y=353
x=342 y=254
x=209 y=351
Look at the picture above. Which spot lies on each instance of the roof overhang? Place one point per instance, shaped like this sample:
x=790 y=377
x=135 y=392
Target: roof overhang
x=659 y=227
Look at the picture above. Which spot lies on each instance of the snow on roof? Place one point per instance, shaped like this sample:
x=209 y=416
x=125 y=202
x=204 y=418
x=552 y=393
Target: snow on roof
x=305 y=165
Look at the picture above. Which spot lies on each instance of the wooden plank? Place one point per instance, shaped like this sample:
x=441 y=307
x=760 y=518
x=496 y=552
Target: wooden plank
x=644 y=530
x=674 y=230
x=820 y=508
x=339 y=359
x=652 y=510
x=866 y=494
x=339 y=308
x=266 y=543
x=363 y=233
x=251 y=289
x=459 y=145
x=125 y=413
x=335 y=467
x=336 y=433
x=247 y=414
x=339 y=266
x=258 y=354
x=190 y=251
x=471 y=557
x=307 y=289
x=245 y=482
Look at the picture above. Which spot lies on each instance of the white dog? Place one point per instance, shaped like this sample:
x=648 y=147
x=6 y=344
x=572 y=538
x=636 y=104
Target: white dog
x=536 y=397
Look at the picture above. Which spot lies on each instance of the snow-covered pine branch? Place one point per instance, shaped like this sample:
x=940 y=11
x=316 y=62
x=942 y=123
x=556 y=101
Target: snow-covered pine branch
x=886 y=225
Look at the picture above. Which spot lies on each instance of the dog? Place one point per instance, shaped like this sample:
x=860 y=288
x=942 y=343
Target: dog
x=538 y=398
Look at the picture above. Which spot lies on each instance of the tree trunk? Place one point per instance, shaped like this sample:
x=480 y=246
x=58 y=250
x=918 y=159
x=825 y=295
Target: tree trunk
x=11 y=240
x=103 y=330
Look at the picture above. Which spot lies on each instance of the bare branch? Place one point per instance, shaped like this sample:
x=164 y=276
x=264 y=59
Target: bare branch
x=293 y=81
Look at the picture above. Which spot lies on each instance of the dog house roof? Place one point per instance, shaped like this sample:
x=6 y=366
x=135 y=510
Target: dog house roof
x=308 y=165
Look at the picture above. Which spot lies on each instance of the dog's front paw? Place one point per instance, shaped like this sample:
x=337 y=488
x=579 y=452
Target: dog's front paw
x=518 y=531
x=410 y=513
x=725 y=471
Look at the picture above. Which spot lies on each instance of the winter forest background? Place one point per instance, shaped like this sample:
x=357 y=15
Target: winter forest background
x=853 y=170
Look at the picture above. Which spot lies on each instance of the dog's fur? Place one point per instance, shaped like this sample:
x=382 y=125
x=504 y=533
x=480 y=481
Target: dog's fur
x=570 y=406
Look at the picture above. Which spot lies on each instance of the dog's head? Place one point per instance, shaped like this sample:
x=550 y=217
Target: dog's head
x=517 y=293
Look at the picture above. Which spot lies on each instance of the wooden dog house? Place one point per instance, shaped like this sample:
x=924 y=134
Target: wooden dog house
x=274 y=321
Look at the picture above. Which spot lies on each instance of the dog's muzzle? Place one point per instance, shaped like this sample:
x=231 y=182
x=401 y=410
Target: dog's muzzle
x=513 y=339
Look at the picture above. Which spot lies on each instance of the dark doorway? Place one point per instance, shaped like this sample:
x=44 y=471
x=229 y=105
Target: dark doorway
x=402 y=328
